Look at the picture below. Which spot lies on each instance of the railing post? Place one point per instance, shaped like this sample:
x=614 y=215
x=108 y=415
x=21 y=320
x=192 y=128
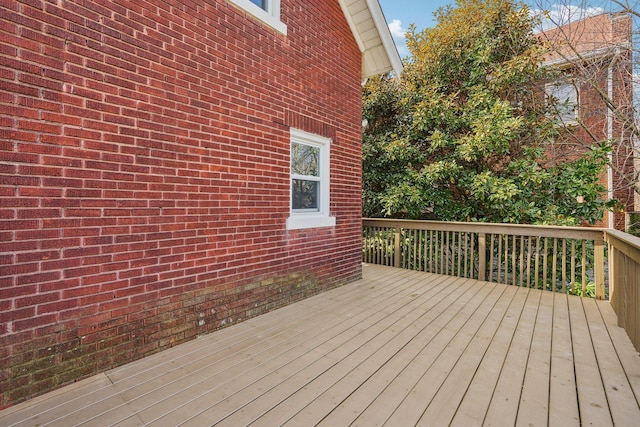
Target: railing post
x=482 y=256
x=613 y=277
x=598 y=267
x=396 y=253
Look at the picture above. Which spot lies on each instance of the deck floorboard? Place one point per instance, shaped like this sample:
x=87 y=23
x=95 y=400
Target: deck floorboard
x=397 y=348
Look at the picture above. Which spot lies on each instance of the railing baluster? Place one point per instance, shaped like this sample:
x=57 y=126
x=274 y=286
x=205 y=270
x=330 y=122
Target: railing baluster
x=436 y=251
x=374 y=245
x=505 y=259
x=397 y=258
x=382 y=248
x=491 y=262
x=529 y=260
x=521 y=261
x=430 y=260
x=564 y=266
x=422 y=249
x=544 y=262
x=450 y=255
x=441 y=260
x=471 y=247
x=554 y=271
x=378 y=244
x=422 y=255
x=432 y=253
x=537 y=272
x=416 y=250
x=573 y=264
x=513 y=261
x=584 y=267
x=509 y=261
x=500 y=238
x=438 y=266
x=598 y=268
x=447 y=253
x=466 y=255
x=372 y=249
x=458 y=249
x=482 y=256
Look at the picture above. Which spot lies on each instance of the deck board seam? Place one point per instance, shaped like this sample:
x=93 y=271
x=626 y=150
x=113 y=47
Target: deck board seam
x=493 y=324
x=441 y=283
x=484 y=285
x=479 y=309
x=302 y=332
x=377 y=367
x=368 y=309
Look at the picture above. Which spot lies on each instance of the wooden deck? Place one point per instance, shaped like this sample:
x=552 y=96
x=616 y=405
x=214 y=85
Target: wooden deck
x=398 y=348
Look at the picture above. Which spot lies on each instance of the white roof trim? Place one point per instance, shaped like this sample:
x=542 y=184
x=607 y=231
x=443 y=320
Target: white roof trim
x=371 y=32
x=600 y=53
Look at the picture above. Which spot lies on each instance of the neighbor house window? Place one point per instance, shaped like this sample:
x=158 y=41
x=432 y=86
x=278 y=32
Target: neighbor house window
x=564 y=96
x=309 y=181
x=267 y=11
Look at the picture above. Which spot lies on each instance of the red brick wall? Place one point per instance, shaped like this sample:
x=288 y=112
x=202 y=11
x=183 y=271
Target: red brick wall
x=593 y=113
x=592 y=77
x=144 y=175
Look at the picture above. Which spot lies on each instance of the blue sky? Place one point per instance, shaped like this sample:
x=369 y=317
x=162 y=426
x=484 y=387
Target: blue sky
x=412 y=11
x=401 y=13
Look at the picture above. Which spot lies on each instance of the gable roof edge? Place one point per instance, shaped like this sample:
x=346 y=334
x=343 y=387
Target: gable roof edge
x=371 y=32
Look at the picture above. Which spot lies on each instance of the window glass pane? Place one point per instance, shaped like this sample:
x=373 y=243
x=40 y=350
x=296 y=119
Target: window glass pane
x=305 y=160
x=566 y=97
x=260 y=3
x=304 y=194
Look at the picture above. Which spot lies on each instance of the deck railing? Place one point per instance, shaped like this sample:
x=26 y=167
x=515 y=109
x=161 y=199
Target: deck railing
x=624 y=279
x=562 y=259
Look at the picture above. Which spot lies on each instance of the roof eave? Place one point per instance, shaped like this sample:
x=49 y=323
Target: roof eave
x=370 y=30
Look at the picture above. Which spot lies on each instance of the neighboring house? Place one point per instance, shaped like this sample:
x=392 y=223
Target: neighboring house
x=594 y=58
x=168 y=168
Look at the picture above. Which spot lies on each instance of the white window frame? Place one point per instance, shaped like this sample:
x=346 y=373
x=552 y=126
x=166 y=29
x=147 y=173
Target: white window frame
x=270 y=16
x=563 y=115
x=321 y=217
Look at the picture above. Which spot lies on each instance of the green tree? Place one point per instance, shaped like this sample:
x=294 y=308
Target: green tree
x=461 y=134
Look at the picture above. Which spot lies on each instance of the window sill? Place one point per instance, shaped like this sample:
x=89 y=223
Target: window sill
x=261 y=15
x=297 y=222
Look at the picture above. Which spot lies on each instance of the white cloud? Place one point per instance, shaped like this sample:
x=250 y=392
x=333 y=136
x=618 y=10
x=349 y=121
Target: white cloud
x=399 y=34
x=396 y=29
x=561 y=14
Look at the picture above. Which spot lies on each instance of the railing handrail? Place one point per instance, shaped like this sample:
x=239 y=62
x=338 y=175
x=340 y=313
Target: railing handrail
x=625 y=243
x=590 y=233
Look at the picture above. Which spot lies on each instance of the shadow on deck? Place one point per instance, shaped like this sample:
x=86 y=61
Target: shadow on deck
x=398 y=347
